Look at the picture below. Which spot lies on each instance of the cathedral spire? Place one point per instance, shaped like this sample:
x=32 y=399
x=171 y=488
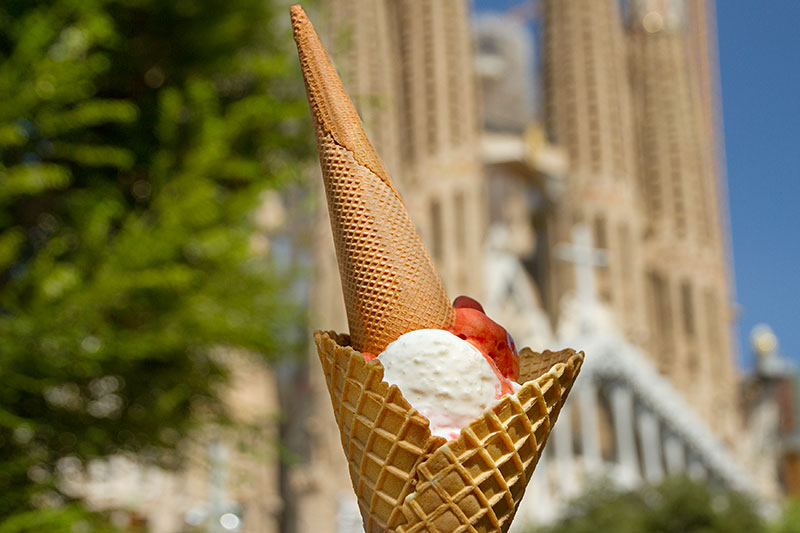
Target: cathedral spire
x=687 y=269
x=588 y=112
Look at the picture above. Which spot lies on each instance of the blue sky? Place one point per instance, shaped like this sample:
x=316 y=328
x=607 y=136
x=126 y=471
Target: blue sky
x=760 y=71
x=759 y=48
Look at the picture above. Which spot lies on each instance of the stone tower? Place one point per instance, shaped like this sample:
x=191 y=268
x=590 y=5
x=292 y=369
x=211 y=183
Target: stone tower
x=686 y=254
x=587 y=112
x=442 y=180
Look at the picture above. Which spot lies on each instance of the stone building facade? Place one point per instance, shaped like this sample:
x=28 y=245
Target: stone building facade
x=587 y=111
x=686 y=241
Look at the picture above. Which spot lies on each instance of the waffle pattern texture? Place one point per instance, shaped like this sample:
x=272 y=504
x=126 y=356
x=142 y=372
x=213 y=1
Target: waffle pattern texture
x=384 y=438
x=409 y=481
x=389 y=281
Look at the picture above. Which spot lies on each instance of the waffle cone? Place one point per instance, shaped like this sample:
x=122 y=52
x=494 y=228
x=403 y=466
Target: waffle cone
x=389 y=281
x=407 y=480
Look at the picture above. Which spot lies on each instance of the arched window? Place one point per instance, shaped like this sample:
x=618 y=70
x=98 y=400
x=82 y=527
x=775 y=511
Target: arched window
x=661 y=316
x=605 y=423
x=712 y=319
x=602 y=274
x=437 y=238
x=687 y=310
x=460 y=220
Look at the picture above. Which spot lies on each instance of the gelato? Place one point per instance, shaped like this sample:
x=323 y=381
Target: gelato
x=447 y=379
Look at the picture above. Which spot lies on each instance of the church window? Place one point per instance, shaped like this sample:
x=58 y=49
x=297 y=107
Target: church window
x=601 y=242
x=577 y=440
x=595 y=153
x=460 y=221
x=455 y=90
x=608 y=441
x=638 y=442
x=662 y=317
x=687 y=307
x=626 y=262
x=431 y=103
x=600 y=237
x=437 y=238
x=712 y=310
x=408 y=143
x=489 y=46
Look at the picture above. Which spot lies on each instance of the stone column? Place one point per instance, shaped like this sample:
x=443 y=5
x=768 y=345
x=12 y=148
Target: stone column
x=348 y=515
x=538 y=496
x=696 y=468
x=622 y=412
x=590 y=428
x=563 y=459
x=651 y=445
x=674 y=455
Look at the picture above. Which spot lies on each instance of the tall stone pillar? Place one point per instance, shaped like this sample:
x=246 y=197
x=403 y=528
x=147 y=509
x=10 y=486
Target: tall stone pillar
x=539 y=498
x=681 y=184
x=674 y=455
x=651 y=445
x=564 y=458
x=696 y=468
x=590 y=427
x=439 y=136
x=588 y=113
x=622 y=412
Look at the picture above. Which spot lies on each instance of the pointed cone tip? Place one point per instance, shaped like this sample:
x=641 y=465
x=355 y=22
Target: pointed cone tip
x=299 y=17
x=336 y=120
x=331 y=106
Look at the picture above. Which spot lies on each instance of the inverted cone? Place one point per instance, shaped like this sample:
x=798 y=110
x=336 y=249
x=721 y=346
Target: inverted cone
x=389 y=281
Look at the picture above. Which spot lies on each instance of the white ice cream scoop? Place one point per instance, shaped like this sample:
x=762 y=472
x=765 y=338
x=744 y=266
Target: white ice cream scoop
x=445 y=378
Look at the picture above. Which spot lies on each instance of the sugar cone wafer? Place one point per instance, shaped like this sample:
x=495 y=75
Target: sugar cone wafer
x=389 y=282
x=409 y=481
x=383 y=437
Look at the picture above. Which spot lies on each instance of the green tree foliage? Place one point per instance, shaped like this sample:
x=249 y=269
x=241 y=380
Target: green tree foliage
x=58 y=519
x=789 y=522
x=676 y=506
x=136 y=137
